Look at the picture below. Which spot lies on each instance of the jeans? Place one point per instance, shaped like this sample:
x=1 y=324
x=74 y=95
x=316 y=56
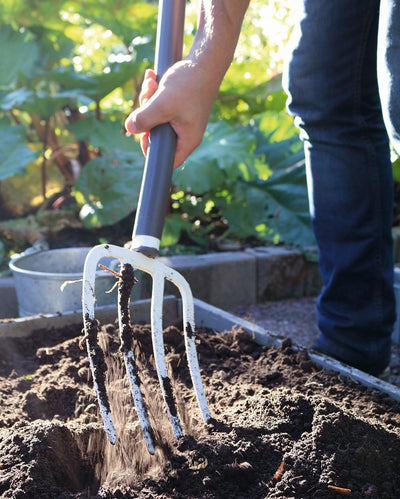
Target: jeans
x=345 y=113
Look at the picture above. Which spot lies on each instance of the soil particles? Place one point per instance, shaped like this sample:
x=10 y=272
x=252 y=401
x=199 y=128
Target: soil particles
x=282 y=427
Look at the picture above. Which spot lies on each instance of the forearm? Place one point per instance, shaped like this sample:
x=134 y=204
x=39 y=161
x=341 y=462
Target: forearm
x=185 y=94
x=217 y=35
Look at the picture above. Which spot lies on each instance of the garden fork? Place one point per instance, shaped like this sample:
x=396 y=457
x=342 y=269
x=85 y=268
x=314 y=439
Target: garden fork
x=142 y=255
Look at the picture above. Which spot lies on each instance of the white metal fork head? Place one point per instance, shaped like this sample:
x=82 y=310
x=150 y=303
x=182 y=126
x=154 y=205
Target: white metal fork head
x=134 y=260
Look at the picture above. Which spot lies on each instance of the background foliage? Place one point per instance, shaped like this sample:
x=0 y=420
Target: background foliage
x=71 y=71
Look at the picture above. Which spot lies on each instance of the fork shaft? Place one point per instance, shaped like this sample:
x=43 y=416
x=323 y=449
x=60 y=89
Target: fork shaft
x=156 y=182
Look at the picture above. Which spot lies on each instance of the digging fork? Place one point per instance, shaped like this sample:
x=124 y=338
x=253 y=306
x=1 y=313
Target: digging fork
x=142 y=255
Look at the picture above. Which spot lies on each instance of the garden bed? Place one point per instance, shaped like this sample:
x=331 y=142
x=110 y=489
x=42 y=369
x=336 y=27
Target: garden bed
x=283 y=426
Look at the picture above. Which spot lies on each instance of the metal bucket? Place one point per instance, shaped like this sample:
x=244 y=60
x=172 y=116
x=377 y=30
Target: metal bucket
x=40 y=281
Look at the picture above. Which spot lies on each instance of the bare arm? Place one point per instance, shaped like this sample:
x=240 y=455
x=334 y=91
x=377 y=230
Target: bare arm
x=185 y=94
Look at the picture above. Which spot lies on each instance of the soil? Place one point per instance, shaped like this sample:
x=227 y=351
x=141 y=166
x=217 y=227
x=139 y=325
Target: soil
x=296 y=318
x=281 y=428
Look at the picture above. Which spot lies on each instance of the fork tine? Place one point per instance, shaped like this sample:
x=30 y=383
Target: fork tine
x=159 y=273
x=189 y=332
x=95 y=353
x=125 y=285
x=159 y=352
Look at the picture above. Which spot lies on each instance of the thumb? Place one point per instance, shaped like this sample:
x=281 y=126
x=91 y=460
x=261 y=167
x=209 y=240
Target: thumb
x=144 y=119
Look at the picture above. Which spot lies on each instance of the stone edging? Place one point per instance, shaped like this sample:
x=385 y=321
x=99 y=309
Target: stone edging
x=225 y=279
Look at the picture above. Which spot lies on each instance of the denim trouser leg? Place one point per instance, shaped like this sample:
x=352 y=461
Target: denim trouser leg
x=333 y=92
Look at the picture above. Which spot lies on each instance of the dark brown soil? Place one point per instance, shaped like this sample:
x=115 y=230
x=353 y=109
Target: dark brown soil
x=296 y=318
x=283 y=428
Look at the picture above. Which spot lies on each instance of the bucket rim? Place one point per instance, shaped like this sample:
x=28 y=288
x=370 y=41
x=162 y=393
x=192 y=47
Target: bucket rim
x=13 y=265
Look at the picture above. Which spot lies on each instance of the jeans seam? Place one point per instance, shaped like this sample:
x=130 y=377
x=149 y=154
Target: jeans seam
x=371 y=158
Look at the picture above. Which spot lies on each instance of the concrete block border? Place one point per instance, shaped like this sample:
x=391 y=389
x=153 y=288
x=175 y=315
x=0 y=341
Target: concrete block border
x=225 y=279
x=229 y=279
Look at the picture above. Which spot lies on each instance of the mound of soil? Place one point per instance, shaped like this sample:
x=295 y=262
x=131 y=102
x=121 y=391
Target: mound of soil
x=283 y=428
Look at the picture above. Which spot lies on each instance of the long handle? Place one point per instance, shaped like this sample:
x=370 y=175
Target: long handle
x=156 y=181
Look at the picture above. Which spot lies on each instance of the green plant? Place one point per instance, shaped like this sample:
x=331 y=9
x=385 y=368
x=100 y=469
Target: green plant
x=396 y=166
x=69 y=74
x=244 y=182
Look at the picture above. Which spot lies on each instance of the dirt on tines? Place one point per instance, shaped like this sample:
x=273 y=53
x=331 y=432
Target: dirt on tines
x=282 y=427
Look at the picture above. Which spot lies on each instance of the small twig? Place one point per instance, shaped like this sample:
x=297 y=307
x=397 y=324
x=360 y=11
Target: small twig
x=340 y=490
x=279 y=472
x=111 y=271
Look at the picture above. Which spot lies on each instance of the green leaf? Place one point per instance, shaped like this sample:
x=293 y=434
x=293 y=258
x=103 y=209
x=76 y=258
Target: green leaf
x=125 y=19
x=246 y=92
x=68 y=79
x=173 y=227
x=109 y=187
x=223 y=149
x=55 y=45
x=245 y=211
x=106 y=135
x=42 y=103
x=396 y=169
x=288 y=213
x=15 y=99
x=118 y=74
x=98 y=85
x=246 y=76
x=189 y=177
x=285 y=191
x=19 y=55
x=33 y=13
x=14 y=154
x=281 y=154
x=276 y=126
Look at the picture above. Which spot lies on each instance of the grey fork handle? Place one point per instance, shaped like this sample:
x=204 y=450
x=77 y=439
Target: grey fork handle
x=156 y=181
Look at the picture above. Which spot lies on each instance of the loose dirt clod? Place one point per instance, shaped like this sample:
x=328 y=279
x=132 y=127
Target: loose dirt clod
x=283 y=428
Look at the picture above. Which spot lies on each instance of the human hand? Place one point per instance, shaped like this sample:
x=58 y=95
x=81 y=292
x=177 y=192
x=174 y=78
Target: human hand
x=183 y=98
x=186 y=92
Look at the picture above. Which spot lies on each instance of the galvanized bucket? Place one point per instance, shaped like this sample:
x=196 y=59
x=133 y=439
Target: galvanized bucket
x=50 y=281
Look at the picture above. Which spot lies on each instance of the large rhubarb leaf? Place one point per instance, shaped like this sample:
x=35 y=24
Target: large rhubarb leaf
x=14 y=153
x=108 y=187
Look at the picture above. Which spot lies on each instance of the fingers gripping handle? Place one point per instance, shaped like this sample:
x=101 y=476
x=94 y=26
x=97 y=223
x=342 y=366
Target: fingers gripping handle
x=156 y=182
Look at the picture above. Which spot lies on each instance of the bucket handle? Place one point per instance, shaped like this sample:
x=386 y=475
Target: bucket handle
x=37 y=247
